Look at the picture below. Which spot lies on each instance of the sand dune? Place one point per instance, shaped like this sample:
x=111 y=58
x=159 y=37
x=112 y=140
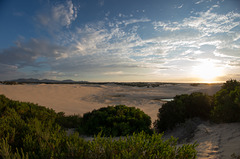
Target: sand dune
x=79 y=99
x=215 y=141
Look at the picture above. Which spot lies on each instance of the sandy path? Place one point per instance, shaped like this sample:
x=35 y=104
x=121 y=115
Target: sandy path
x=218 y=141
x=215 y=141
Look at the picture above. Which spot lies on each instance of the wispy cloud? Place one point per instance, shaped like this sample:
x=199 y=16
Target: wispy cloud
x=201 y=1
x=179 y=6
x=205 y=28
x=205 y=22
x=133 y=21
x=54 y=17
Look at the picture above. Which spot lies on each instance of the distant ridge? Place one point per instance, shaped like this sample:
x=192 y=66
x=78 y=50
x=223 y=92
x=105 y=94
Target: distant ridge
x=44 y=81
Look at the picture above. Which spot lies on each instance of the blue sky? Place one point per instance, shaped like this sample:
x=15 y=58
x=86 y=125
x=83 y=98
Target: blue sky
x=120 y=40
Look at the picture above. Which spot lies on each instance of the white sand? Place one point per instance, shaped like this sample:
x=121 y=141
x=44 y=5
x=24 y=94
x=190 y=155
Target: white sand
x=65 y=98
x=215 y=141
x=218 y=141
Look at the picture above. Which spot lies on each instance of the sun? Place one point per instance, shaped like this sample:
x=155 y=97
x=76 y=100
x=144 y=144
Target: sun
x=207 y=71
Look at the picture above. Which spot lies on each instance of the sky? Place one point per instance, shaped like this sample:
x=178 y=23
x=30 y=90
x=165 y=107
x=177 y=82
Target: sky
x=120 y=40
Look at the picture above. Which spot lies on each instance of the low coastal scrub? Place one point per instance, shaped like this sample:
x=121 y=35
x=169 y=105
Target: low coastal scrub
x=183 y=107
x=31 y=131
x=117 y=120
x=227 y=103
x=222 y=107
x=69 y=121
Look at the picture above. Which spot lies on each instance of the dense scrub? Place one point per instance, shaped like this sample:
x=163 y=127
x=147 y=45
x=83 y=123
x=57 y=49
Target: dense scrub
x=224 y=106
x=183 y=107
x=227 y=103
x=117 y=120
x=69 y=121
x=29 y=128
x=31 y=131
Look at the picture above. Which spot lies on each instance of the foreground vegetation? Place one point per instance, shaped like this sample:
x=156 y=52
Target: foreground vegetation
x=31 y=131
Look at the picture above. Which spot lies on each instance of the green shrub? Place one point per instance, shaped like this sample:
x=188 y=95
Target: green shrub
x=199 y=105
x=139 y=146
x=117 y=120
x=70 y=121
x=183 y=107
x=29 y=128
x=227 y=103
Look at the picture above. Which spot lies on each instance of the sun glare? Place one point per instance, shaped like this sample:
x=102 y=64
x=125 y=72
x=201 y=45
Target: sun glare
x=207 y=71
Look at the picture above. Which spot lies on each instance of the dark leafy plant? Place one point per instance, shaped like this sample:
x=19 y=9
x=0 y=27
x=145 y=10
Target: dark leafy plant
x=117 y=120
x=140 y=146
x=183 y=107
x=69 y=121
x=227 y=103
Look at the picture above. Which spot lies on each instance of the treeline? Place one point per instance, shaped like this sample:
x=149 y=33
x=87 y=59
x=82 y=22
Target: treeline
x=46 y=81
x=35 y=81
x=143 y=84
x=31 y=131
x=222 y=107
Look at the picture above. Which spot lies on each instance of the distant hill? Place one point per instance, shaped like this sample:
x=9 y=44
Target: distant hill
x=45 y=81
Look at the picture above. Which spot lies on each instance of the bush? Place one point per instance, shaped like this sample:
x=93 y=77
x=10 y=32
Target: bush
x=29 y=128
x=183 y=107
x=137 y=146
x=140 y=146
x=70 y=121
x=199 y=105
x=117 y=120
x=227 y=103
